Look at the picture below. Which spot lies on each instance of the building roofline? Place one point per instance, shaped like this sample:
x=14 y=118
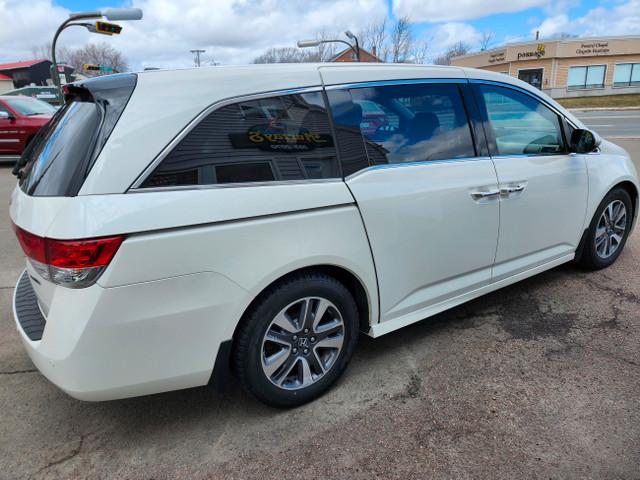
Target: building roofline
x=347 y=49
x=549 y=40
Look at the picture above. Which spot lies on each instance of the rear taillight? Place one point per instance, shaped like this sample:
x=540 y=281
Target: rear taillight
x=70 y=263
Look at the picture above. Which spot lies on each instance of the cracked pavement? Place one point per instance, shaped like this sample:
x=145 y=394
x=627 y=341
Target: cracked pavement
x=538 y=380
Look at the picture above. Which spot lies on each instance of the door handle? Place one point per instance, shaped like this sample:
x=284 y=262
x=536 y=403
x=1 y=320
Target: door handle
x=507 y=190
x=484 y=195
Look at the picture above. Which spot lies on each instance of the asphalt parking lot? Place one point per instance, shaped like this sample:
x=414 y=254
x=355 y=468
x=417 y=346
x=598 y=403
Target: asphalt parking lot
x=538 y=380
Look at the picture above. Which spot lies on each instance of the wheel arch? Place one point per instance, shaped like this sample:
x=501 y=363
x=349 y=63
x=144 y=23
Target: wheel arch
x=342 y=275
x=632 y=190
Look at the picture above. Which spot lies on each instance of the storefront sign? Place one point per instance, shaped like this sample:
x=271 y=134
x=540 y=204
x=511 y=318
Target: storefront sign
x=539 y=52
x=593 y=49
x=498 y=57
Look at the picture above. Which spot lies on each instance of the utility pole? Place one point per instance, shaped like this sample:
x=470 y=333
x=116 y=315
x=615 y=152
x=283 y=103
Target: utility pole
x=197 y=52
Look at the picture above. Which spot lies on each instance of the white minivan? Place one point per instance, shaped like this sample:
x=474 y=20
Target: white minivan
x=183 y=225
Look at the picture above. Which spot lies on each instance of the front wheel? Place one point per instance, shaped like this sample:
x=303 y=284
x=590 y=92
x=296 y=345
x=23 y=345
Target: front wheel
x=296 y=340
x=608 y=230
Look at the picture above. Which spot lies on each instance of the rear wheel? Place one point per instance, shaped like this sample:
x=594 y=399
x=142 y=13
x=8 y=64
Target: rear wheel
x=608 y=230
x=296 y=340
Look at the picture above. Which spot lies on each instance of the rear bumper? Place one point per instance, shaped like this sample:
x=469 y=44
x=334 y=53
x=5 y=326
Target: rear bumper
x=108 y=343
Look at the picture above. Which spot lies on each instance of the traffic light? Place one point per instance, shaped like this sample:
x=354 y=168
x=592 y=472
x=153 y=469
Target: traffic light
x=108 y=28
x=91 y=67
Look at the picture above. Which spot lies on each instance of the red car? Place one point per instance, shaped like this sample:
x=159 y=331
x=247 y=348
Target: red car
x=20 y=120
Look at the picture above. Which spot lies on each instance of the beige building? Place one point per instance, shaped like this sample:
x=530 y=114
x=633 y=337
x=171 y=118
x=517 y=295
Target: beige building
x=573 y=67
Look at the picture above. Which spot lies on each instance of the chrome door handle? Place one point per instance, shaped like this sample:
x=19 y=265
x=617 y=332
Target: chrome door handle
x=508 y=190
x=484 y=195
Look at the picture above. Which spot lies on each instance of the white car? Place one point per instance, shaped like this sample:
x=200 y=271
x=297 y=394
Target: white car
x=182 y=225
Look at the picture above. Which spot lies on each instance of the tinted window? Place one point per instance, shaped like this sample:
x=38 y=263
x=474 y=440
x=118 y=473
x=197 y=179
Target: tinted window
x=278 y=138
x=413 y=123
x=62 y=154
x=521 y=124
x=62 y=147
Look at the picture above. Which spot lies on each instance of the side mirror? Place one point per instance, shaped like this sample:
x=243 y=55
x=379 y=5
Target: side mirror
x=584 y=141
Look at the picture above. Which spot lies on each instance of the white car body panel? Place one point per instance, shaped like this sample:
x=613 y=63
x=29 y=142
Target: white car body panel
x=608 y=168
x=116 y=354
x=417 y=216
x=413 y=236
x=545 y=220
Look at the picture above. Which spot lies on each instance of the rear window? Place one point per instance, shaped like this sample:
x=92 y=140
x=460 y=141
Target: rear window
x=59 y=159
x=62 y=146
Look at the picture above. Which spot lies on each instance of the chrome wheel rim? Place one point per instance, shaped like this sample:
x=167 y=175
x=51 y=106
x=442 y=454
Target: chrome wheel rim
x=302 y=343
x=611 y=227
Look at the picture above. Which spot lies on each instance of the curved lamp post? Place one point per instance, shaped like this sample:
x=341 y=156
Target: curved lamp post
x=110 y=14
x=316 y=42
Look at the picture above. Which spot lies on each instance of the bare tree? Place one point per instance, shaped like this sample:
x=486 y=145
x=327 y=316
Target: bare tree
x=374 y=38
x=401 y=40
x=280 y=55
x=101 y=54
x=323 y=52
x=485 y=40
x=420 y=50
x=564 y=35
x=454 y=50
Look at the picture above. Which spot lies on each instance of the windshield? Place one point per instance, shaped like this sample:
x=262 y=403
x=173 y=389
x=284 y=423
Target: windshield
x=31 y=106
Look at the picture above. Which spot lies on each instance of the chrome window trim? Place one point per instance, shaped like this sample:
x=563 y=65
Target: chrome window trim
x=136 y=185
x=384 y=83
x=234 y=185
x=410 y=164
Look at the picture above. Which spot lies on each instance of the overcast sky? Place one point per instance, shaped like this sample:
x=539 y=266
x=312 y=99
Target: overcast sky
x=237 y=31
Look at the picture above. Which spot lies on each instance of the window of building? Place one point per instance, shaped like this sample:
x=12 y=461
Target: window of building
x=626 y=75
x=354 y=57
x=591 y=76
x=278 y=138
x=521 y=124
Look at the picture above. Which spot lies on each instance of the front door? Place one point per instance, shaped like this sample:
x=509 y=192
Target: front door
x=543 y=189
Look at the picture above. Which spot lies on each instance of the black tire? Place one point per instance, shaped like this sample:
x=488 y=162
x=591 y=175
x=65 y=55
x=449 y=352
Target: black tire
x=293 y=366
x=607 y=236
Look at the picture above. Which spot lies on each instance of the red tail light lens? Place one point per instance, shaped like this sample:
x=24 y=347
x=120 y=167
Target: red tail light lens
x=82 y=254
x=72 y=263
x=32 y=245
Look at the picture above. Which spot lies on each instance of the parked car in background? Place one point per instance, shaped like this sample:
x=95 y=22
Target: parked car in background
x=373 y=117
x=20 y=119
x=253 y=222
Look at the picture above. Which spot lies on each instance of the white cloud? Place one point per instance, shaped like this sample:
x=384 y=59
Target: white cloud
x=434 y=11
x=449 y=33
x=623 y=19
x=231 y=31
x=236 y=31
x=27 y=24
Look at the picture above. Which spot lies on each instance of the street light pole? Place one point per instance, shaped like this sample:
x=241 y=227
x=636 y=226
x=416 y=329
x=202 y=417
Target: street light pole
x=316 y=42
x=65 y=24
x=353 y=37
x=111 y=14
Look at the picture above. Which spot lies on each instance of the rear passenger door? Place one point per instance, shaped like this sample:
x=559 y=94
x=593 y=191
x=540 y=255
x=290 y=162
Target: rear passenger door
x=543 y=187
x=429 y=202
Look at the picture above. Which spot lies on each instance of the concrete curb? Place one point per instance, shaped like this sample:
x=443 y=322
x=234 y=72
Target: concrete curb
x=599 y=109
